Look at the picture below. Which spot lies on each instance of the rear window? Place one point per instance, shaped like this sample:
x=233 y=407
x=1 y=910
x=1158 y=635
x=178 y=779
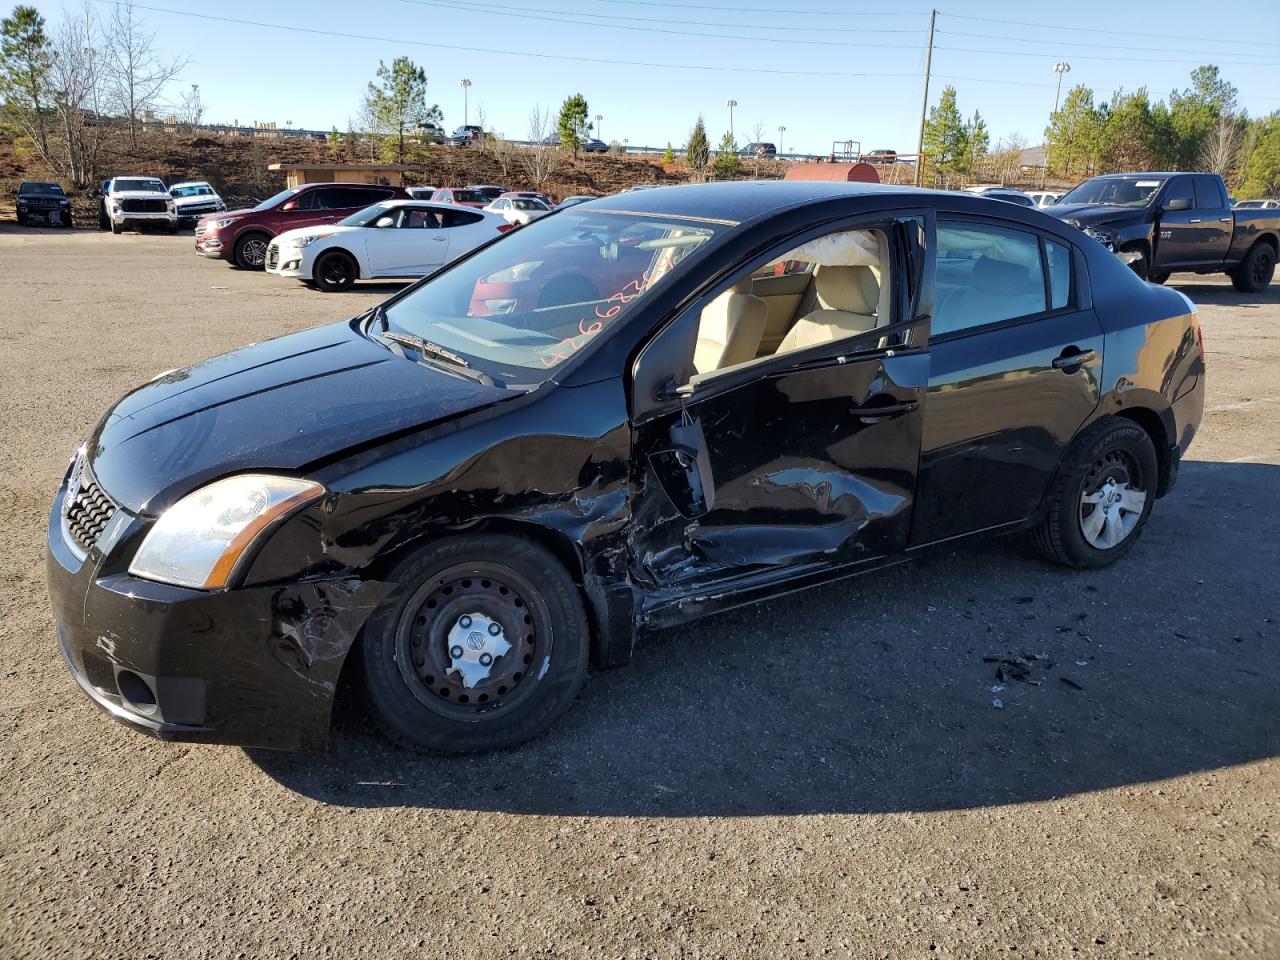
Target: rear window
x=986 y=274
x=469 y=196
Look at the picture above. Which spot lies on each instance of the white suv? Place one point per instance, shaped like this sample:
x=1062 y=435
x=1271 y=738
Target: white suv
x=138 y=202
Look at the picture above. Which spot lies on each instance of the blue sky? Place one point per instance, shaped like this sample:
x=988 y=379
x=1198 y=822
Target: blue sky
x=826 y=69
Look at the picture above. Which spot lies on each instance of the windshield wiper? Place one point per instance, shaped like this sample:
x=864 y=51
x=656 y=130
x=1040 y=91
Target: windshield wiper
x=431 y=351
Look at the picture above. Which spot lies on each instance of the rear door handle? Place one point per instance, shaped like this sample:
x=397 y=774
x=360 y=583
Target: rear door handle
x=1196 y=220
x=1224 y=219
x=1068 y=360
x=872 y=411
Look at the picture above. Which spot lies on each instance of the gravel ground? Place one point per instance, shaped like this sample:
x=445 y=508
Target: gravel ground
x=825 y=775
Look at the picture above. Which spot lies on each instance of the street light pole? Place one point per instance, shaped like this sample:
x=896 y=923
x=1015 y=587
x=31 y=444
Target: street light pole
x=781 y=130
x=1059 y=69
x=466 y=86
x=731 y=104
x=599 y=127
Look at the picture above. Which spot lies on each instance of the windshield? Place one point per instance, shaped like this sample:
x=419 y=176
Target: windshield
x=469 y=196
x=520 y=203
x=40 y=190
x=523 y=306
x=1115 y=191
x=140 y=186
x=367 y=216
x=193 y=190
x=280 y=197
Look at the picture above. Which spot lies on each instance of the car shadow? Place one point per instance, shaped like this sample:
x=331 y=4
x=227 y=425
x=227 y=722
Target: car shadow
x=1203 y=292
x=973 y=677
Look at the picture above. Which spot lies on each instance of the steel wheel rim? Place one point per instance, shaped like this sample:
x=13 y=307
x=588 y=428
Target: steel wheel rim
x=255 y=252
x=1112 y=500
x=431 y=631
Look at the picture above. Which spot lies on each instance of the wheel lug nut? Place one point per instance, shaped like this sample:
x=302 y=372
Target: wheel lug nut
x=464 y=622
x=456 y=652
x=485 y=659
x=494 y=629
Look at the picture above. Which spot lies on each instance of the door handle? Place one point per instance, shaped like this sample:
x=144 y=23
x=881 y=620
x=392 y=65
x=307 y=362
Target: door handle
x=440 y=239
x=1196 y=220
x=1068 y=360
x=868 y=412
x=1224 y=219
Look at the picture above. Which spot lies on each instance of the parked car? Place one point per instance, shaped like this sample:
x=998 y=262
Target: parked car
x=1043 y=198
x=466 y=135
x=1162 y=222
x=463 y=196
x=1007 y=194
x=488 y=190
x=759 y=150
x=880 y=157
x=242 y=236
x=576 y=199
x=398 y=238
x=468 y=510
x=39 y=201
x=592 y=145
x=527 y=195
x=519 y=210
x=138 y=202
x=421 y=193
x=1256 y=205
x=195 y=199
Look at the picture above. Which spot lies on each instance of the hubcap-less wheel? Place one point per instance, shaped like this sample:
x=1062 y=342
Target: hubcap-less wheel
x=467 y=642
x=1112 y=502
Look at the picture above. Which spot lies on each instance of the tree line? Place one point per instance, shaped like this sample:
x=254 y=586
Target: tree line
x=1200 y=127
x=59 y=86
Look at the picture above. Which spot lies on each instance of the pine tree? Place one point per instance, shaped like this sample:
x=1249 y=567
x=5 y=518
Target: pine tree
x=698 y=152
x=669 y=155
x=945 y=144
x=727 y=165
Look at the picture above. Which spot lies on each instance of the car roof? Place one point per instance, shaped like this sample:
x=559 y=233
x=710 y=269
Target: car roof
x=191 y=183
x=1150 y=173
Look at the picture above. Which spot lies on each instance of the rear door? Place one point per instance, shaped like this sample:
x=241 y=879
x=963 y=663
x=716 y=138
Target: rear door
x=1216 y=222
x=1016 y=357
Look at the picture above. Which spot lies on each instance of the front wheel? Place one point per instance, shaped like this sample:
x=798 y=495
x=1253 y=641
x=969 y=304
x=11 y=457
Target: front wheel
x=1160 y=278
x=1256 y=270
x=250 y=251
x=482 y=645
x=116 y=227
x=1102 y=496
x=335 y=271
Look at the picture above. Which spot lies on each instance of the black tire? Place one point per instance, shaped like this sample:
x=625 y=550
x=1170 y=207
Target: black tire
x=22 y=220
x=173 y=229
x=1256 y=269
x=1159 y=278
x=1141 y=266
x=415 y=691
x=250 y=251
x=335 y=271
x=116 y=228
x=1113 y=448
x=103 y=222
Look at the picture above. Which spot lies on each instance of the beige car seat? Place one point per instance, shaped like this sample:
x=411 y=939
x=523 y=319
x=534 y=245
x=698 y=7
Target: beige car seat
x=847 y=298
x=730 y=328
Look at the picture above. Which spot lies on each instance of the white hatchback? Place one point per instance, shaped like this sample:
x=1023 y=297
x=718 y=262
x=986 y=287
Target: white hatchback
x=518 y=210
x=397 y=238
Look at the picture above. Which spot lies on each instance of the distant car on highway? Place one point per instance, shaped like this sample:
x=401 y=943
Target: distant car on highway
x=1257 y=205
x=242 y=236
x=880 y=156
x=1043 y=198
x=463 y=196
x=466 y=135
x=594 y=146
x=759 y=150
x=195 y=199
x=519 y=210
x=41 y=201
x=398 y=238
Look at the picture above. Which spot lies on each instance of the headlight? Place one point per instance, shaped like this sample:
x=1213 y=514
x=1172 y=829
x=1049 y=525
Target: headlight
x=199 y=540
x=309 y=239
x=22 y=203
x=64 y=201
x=223 y=223
x=521 y=271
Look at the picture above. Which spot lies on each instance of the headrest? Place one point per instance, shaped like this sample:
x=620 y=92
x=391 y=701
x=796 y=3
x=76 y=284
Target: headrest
x=998 y=276
x=850 y=289
x=742 y=286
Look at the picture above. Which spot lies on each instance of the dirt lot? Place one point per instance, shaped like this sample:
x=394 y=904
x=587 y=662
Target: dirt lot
x=825 y=775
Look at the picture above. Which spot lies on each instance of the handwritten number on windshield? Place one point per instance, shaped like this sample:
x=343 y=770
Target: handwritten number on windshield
x=567 y=347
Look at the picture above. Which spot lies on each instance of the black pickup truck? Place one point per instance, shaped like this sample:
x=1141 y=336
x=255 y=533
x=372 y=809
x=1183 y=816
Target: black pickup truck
x=1159 y=223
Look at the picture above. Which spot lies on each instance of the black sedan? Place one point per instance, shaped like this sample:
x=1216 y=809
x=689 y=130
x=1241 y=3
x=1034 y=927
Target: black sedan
x=642 y=409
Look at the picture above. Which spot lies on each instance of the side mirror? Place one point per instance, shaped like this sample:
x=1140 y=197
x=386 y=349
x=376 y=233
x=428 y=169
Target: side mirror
x=1177 y=204
x=382 y=222
x=289 y=207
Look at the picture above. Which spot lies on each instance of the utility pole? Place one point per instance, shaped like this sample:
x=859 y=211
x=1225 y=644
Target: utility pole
x=466 y=86
x=924 y=105
x=599 y=124
x=781 y=132
x=731 y=104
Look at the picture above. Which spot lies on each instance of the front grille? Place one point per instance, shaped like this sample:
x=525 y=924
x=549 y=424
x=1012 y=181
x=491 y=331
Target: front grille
x=136 y=205
x=193 y=209
x=89 y=511
x=273 y=256
x=45 y=204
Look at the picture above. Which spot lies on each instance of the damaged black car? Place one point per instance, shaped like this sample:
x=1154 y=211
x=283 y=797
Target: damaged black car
x=635 y=411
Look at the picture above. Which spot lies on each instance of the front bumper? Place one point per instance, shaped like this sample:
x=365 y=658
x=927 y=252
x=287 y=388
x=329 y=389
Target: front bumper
x=288 y=261
x=210 y=244
x=145 y=219
x=252 y=667
x=53 y=216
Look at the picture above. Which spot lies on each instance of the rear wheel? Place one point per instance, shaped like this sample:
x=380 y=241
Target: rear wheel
x=250 y=251
x=1157 y=277
x=335 y=271
x=1102 y=496
x=482 y=645
x=1256 y=270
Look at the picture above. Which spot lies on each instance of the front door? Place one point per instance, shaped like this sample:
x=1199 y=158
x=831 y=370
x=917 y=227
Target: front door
x=1179 y=233
x=414 y=244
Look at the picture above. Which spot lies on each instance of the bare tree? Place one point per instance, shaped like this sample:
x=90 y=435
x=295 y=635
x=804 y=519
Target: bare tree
x=76 y=83
x=191 y=107
x=541 y=159
x=1222 y=145
x=757 y=137
x=136 y=71
x=506 y=154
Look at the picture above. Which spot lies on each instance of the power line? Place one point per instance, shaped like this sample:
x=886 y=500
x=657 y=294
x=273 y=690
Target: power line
x=345 y=35
x=1056 y=43
x=527 y=11
x=1081 y=56
x=471 y=8
x=1114 y=33
x=773 y=12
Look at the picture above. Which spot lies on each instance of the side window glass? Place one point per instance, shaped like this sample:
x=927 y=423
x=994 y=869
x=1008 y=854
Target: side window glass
x=1208 y=196
x=1179 y=187
x=457 y=218
x=985 y=274
x=1058 y=258
x=310 y=200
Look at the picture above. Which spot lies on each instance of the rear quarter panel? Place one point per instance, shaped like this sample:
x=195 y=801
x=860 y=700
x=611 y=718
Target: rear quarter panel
x=1251 y=226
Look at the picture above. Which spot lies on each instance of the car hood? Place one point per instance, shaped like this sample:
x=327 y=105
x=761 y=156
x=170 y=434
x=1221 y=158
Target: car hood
x=1090 y=214
x=222 y=214
x=140 y=195
x=281 y=405
x=202 y=198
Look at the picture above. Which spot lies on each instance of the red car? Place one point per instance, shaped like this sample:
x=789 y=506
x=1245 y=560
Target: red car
x=242 y=236
x=462 y=196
